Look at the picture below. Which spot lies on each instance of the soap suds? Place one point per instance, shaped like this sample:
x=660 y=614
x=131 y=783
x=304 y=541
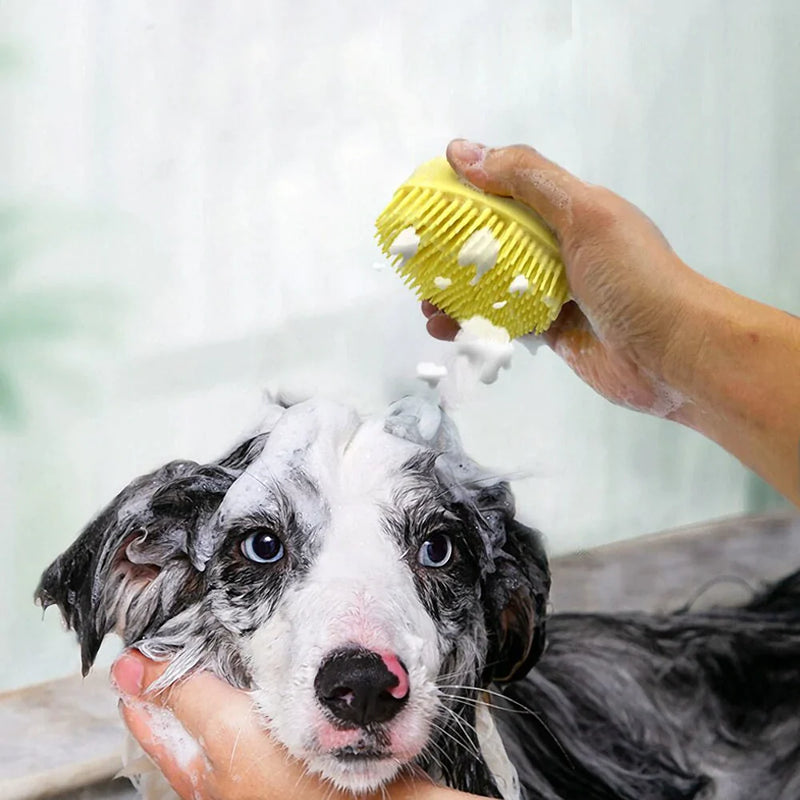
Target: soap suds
x=441 y=282
x=405 y=244
x=431 y=373
x=500 y=304
x=545 y=183
x=550 y=302
x=166 y=729
x=519 y=285
x=168 y=732
x=667 y=400
x=481 y=249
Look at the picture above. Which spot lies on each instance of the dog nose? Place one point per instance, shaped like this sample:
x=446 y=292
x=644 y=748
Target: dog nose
x=360 y=686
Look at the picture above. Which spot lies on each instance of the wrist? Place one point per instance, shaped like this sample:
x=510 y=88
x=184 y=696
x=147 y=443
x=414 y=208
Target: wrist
x=700 y=327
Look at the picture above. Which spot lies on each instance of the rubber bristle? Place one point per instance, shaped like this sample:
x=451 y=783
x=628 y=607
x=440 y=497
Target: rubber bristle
x=443 y=225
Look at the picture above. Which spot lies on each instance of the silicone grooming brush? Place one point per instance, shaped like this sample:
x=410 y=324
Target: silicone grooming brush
x=471 y=253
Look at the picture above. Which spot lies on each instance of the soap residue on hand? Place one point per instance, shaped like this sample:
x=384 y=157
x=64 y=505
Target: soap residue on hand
x=431 y=373
x=440 y=282
x=405 y=244
x=167 y=730
x=481 y=249
x=519 y=285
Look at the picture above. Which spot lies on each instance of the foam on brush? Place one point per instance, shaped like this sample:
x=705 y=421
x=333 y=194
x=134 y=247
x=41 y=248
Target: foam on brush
x=473 y=254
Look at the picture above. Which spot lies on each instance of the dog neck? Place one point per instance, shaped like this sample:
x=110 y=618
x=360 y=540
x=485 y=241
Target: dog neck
x=494 y=754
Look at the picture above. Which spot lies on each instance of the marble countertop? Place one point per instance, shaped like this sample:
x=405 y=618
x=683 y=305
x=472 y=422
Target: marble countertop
x=58 y=737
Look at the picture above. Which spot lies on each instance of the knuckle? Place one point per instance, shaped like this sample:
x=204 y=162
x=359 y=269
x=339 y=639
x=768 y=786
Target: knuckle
x=518 y=159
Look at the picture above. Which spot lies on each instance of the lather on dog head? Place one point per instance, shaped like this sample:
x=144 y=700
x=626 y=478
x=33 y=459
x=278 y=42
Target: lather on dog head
x=361 y=578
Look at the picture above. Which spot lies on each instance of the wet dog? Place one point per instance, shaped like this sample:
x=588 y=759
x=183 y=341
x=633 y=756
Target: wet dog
x=370 y=586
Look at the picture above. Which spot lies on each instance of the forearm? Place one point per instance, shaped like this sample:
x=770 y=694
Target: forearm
x=738 y=364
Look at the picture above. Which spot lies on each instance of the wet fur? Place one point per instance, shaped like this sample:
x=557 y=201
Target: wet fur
x=673 y=707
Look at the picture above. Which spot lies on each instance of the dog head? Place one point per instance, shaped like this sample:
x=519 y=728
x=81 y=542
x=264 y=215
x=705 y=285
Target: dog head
x=363 y=579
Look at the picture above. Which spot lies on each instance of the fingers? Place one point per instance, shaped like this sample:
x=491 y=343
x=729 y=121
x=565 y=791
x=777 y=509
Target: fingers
x=429 y=309
x=204 y=736
x=185 y=776
x=520 y=172
x=569 y=320
x=440 y=326
x=189 y=699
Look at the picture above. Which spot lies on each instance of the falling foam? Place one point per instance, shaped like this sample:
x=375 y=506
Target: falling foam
x=481 y=351
x=441 y=282
x=431 y=373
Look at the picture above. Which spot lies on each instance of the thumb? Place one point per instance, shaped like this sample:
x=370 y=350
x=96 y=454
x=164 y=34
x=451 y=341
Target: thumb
x=520 y=172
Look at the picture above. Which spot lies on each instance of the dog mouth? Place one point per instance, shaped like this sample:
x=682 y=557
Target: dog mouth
x=355 y=755
x=357 y=769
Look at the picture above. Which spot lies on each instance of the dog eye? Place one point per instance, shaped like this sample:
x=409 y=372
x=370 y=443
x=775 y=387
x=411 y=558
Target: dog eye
x=263 y=547
x=436 y=551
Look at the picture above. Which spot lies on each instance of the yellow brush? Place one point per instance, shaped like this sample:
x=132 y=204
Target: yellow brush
x=471 y=253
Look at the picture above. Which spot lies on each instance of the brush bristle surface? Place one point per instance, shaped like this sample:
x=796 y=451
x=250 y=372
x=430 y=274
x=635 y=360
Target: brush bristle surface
x=469 y=258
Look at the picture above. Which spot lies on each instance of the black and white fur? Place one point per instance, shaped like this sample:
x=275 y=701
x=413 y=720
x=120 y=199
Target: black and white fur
x=690 y=705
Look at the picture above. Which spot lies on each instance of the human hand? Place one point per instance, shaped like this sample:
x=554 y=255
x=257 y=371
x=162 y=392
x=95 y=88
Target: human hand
x=629 y=287
x=225 y=753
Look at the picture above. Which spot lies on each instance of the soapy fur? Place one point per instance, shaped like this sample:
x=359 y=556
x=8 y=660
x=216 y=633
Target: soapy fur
x=353 y=501
x=431 y=373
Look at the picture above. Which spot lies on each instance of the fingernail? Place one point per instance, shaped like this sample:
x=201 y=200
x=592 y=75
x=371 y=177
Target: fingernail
x=468 y=152
x=127 y=674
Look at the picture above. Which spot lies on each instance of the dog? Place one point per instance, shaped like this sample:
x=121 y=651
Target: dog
x=372 y=588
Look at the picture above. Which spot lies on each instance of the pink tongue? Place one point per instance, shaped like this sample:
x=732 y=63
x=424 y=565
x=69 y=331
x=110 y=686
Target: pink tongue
x=396 y=668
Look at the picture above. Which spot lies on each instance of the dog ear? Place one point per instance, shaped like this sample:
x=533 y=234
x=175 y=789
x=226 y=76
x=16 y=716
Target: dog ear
x=515 y=576
x=515 y=590
x=134 y=567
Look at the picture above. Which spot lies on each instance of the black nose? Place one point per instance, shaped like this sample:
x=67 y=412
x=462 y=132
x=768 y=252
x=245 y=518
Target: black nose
x=354 y=685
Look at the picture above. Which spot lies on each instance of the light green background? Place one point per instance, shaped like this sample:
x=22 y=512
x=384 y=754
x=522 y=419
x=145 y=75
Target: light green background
x=188 y=191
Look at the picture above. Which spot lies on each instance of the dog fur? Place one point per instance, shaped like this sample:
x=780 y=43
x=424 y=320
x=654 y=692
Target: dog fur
x=686 y=706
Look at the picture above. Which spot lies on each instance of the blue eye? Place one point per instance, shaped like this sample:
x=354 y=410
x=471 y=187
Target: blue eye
x=263 y=547
x=436 y=551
